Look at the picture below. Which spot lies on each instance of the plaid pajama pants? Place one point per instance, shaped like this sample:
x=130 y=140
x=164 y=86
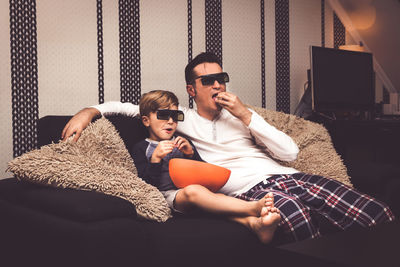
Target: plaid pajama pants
x=298 y=194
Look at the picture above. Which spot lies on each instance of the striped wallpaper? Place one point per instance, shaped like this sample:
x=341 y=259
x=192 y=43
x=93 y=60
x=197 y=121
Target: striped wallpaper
x=127 y=47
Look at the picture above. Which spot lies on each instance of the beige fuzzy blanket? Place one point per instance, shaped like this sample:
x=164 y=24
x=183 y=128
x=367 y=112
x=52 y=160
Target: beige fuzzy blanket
x=99 y=161
x=317 y=154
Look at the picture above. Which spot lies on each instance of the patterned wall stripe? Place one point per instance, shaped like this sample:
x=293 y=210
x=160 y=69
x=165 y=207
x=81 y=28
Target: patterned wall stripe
x=323 y=23
x=100 y=57
x=129 y=45
x=262 y=54
x=214 y=27
x=282 y=55
x=190 y=44
x=339 y=32
x=24 y=75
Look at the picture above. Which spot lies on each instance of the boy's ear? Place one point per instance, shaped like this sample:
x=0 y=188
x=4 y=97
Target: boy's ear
x=190 y=89
x=146 y=121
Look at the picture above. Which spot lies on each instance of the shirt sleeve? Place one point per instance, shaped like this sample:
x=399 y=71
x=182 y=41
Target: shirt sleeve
x=115 y=107
x=148 y=171
x=277 y=143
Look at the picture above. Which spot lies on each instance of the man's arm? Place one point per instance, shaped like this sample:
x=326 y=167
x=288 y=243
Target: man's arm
x=276 y=142
x=280 y=145
x=82 y=119
x=78 y=123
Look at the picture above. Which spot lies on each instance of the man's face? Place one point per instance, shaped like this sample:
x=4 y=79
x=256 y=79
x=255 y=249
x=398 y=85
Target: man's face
x=205 y=95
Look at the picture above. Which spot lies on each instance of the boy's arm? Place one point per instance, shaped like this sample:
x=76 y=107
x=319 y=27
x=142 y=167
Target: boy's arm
x=196 y=155
x=150 y=172
x=277 y=143
x=82 y=119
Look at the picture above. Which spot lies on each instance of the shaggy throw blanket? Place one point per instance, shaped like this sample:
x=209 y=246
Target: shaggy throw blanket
x=317 y=154
x=98 y=161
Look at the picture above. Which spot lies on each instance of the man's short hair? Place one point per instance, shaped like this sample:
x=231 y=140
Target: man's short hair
x=154 y=100
x=201 y=58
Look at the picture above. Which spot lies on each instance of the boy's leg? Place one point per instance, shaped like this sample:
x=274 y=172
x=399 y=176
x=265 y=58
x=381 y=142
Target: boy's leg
x=342 y=205
x=197 y=196
x=263 y=226
x=296 y=220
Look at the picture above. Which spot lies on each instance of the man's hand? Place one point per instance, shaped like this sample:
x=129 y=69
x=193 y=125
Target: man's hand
x=78 y=123
x=163 y=148
x=233 y=104
x=184 y=146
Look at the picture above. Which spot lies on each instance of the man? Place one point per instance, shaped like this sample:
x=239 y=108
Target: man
x=228 y=134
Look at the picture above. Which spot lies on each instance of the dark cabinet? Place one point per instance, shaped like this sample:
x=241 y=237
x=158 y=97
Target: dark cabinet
x=370 y=141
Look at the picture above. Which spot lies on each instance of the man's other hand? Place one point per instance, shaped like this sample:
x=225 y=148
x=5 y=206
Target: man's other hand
x=78 y=123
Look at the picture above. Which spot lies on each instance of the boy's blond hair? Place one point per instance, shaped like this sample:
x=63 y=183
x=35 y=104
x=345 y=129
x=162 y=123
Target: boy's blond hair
x=154 y=100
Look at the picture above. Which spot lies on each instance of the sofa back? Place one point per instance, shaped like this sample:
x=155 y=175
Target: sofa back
x=130 y=129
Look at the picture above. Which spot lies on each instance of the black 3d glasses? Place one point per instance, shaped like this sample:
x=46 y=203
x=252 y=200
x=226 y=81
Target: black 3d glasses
x=210 y=79
x=165 y=114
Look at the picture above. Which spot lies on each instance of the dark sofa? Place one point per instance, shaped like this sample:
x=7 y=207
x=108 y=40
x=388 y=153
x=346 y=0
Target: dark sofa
x=46 y=226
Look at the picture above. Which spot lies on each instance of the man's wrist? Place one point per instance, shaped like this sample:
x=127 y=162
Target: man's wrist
x=246 y=117
x=93 y=112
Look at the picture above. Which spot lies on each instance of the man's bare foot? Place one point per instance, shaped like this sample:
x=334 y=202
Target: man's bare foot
x=265 y=225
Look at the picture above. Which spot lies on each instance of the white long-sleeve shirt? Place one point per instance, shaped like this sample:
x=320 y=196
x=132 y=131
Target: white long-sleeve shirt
x=226 y=141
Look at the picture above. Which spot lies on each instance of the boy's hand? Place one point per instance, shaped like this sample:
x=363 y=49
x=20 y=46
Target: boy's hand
x=184 y=146
x=163 y=148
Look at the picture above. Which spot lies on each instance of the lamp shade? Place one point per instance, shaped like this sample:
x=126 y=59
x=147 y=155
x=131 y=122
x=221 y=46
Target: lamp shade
x=357 y=48
x=185 y=172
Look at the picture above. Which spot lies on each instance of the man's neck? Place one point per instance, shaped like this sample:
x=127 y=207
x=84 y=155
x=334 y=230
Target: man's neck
x=209 y=115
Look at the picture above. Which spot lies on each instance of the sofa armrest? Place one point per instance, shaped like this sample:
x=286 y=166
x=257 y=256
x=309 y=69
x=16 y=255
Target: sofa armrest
x=74 y=205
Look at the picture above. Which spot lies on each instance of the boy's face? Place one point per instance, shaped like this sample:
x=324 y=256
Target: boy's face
x=160 y=129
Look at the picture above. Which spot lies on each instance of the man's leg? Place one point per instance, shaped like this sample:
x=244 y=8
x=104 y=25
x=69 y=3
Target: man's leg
x=342 y=205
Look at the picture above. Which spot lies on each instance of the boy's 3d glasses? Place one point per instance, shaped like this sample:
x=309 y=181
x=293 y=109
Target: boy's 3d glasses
x=210 y=79
x=165 y=114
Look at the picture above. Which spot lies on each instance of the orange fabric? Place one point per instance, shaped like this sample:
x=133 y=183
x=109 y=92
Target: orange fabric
x=184 y=172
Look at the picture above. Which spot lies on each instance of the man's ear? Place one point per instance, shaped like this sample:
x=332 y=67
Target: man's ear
x=146 y=121
x=191 y=90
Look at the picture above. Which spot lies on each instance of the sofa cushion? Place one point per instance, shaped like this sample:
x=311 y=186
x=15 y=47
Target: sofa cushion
x=76 y=205
x=98 y=161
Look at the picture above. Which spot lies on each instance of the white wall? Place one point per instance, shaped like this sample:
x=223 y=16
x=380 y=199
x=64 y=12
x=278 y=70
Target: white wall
x=6 y=148
x=67 y=52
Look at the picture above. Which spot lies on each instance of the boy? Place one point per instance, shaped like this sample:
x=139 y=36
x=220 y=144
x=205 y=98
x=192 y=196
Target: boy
x=160 y=114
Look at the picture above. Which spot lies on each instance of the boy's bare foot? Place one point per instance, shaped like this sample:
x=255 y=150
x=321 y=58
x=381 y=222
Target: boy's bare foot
x=269 y=200
x=265 y=225
x=266 y=201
